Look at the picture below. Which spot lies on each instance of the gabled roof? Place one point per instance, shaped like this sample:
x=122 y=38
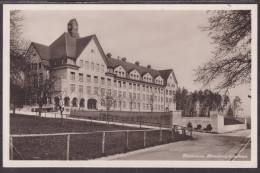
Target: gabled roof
x=42 y=50
x=166 y=73
x=130 y=66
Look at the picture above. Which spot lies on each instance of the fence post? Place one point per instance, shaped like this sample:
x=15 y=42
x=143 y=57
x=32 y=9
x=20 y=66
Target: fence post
x=45 y=114
x=68 y=147
x=144 y=138
x=161 y=135
x=183 y=131
x=11 y=148
x=127 y=136
x=55 y=115
x=103 y=142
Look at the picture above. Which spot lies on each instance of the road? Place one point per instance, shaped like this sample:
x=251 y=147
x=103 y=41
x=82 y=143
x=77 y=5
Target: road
x=204 y=146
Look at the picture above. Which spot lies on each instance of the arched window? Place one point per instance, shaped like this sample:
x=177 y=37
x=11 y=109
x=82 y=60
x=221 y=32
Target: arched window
x=67 y=101
x=56 y=101
x=82 y=103
x=75 y=102
x=92 y=104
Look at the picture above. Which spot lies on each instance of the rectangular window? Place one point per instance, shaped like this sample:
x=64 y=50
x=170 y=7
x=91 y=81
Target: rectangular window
x=119 y=84
x=124 y=85
x=88 y=78
x=102 y=90
x=88 y=89
x=72 y=75
x=86 y=65
x=124 y=104
x=119 y=93
x=161 y=99
x=170 y=100
x=80 y=77
x=134 y=105
x=40 y=65
x=155 y=90
x=102 y=68
x=143 y=106
x=166 y=100
x=147 y=88
x=161 y=91
x=109 y=92
x=138 y=96
x=166 y=92
x=143 y=88
x=147 y=106
x=134 y=86
x=124 y=94
x=81 y=88
x=143 y=96
x=115 y=93
x=96 y=90
x=170 y=92
x=138 y=87
x=92 y=66
x=155 y=106
x=147 y=98
x=155 y=98
x=72 y=87
x=130 y=85
x=95 y=79
x=161 y=107
x=130 y=95
x=115 y=83
x=134 y=96
x=97 y=67
x=102 y=81
x=108 y=82
x=81 y=63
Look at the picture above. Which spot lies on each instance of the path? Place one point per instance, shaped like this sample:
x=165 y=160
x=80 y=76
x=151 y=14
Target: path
x=203 y=147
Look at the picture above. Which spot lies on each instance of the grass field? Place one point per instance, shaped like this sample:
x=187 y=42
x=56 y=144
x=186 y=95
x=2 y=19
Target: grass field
x=82 y=146
x=24 y=124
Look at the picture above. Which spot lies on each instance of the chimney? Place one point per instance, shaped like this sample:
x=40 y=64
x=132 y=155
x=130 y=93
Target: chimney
x=149 y=66
x=137 y=63
x=124 y=59
x=109 y=55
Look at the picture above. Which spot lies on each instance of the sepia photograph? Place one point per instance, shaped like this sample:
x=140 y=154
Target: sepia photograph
x=130 y=85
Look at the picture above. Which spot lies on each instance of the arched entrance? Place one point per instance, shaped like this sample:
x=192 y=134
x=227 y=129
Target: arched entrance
x=82 y=103
x=75 y=102
x=92 y=104
x=67 y=101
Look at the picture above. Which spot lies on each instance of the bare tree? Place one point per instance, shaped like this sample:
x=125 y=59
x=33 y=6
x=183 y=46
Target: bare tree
x=60 y=100
x=230 y=65
x=18 y=62
x=107 y=100
x=39 y=88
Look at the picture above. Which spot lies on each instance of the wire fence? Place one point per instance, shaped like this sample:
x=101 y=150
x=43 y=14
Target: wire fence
x=89 y=145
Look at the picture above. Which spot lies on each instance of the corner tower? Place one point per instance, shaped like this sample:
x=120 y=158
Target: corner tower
x=73 y=28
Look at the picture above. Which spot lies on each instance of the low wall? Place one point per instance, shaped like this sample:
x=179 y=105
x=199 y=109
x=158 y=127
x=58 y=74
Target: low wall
x=215 y=120
x=229 y=128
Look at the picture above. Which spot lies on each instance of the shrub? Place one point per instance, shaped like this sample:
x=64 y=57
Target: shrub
x=189 y=125
x=209 y=127
x=199 y=126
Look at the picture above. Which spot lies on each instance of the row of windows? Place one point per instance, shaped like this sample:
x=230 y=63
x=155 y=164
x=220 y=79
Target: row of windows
x=93 y=66
x=134 y=96
x=120 y=84
x=170 y=85
x=35 y=66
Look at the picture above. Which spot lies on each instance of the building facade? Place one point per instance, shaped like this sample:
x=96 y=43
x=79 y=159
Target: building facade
x=87 y=73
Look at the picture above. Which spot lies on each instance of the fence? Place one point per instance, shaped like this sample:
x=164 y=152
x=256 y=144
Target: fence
x=159 y=119
x=89 y=145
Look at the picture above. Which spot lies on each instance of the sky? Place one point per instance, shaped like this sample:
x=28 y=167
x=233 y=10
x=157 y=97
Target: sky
x=164 y=39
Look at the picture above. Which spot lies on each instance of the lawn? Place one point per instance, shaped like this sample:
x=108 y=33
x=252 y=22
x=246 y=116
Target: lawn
x=24 y=124
x=82 y=146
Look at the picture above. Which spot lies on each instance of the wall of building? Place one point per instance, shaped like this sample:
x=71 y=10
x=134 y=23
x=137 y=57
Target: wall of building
x=215 y=120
